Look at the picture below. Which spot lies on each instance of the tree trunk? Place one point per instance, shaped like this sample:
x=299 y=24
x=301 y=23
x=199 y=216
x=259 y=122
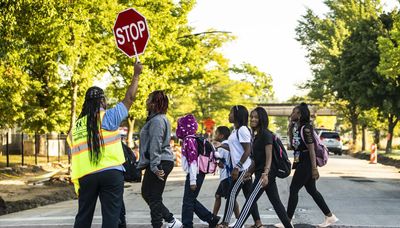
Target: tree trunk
x=37 y=143
x=354 y=122
x=392 y=120
x=74 y=94
x=131 y=125
x=376 y=138
x=363 y=127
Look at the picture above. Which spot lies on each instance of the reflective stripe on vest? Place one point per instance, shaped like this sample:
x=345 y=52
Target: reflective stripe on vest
x=111 y=153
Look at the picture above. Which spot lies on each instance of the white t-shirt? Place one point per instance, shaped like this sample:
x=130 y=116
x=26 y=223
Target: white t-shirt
x=223 y=173
x=236 y=149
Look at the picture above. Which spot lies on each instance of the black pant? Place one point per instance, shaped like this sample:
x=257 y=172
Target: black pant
x=191 y=204
x=273 y=196
x=234 y=191
x=152 y=190
x=122 y=218
x=109 y=186
x=303 y=177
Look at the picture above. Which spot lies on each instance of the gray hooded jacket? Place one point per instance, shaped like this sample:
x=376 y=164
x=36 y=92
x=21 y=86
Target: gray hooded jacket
x=154 y=142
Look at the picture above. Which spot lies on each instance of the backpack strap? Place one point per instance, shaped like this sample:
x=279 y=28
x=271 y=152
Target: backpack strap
x=189 y=136
x=314 y=135
x=251 y=138
x=274 y=138
x=301 y=133
x=237 y=131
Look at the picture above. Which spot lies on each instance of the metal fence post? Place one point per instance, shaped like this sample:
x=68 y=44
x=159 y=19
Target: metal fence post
x=7 y=152
x=22 y=148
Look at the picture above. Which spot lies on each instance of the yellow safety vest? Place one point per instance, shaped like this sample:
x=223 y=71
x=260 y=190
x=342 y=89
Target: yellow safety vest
x=112 y=153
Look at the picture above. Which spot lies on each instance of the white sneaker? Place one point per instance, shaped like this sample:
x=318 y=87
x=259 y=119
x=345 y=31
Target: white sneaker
x=234 y=223
x=329 y=221
x=174 y=224
x=280 y=225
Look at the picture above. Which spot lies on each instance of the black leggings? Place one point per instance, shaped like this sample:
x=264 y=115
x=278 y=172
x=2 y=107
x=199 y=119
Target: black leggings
x=273 y=196
x=152 y=190
x=303 y=177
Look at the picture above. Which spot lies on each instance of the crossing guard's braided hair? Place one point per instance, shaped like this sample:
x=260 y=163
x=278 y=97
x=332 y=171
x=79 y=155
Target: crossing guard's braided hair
x=91 y=109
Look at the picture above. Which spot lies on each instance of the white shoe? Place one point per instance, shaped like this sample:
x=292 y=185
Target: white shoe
x=280 y=225
x=174 y=224
x=234 y=223
x=329 y=221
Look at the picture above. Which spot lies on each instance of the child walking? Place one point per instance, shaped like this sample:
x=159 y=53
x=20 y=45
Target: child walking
x=186 y=130
x=224 y=163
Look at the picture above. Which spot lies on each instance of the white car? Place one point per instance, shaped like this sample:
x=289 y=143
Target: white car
x=331 y=140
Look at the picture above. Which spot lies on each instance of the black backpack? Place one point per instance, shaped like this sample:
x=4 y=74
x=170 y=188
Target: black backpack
x=280 y=158
x=201 y=142
x=132 y=173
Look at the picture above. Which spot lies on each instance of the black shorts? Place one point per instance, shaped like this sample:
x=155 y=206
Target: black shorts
x=223 y=188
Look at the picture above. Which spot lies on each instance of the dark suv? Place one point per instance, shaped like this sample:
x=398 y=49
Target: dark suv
x=331 y=140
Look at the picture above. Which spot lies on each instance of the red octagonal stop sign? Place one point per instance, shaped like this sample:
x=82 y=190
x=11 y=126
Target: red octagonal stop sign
x=130 y=29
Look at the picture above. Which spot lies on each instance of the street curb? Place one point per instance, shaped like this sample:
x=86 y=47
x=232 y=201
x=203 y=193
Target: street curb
x=381 y=159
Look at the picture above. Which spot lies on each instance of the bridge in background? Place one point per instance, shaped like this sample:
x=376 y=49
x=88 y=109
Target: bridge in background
x=285 y=109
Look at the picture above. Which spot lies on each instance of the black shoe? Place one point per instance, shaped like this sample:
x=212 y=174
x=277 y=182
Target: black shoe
x=122 y=225
x=214 y=221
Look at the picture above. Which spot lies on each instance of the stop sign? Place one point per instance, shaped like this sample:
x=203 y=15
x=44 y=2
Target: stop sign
x=130 y=29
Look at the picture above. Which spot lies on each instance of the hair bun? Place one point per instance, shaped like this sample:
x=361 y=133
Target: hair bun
x=303 y=104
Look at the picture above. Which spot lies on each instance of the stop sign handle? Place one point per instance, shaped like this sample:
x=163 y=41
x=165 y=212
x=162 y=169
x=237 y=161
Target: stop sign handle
x=136 y=55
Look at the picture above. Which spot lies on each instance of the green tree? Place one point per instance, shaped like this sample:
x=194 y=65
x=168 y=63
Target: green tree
x=388 y=67
x=31 y=43
x=86 y=45
x=12 y=84
x=60 y=47
x=324 y=40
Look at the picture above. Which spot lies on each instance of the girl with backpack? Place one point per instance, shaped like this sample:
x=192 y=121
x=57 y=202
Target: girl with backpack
x=240 y=148
x=264 y=169
x=186 y=130
x=306 y=173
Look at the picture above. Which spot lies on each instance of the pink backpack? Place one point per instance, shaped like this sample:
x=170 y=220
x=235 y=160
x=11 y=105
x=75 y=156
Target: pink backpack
x=321 y=152
x=206 y=160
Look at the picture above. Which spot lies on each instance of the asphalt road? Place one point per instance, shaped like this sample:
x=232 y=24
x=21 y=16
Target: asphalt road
x=360 y=194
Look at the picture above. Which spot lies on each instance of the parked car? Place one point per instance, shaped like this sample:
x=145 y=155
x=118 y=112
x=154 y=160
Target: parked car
x=331 y=139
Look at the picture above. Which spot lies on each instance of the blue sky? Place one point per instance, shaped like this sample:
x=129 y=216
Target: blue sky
x=265 y=36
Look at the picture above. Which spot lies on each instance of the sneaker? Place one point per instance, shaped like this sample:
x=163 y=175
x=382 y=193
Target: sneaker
x=329 y=221
x=214 y=221
x=280 y=225
x=234 y=223
x=174 y=224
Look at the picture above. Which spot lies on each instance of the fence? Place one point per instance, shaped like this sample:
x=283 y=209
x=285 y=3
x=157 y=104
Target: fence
x=28 y=149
